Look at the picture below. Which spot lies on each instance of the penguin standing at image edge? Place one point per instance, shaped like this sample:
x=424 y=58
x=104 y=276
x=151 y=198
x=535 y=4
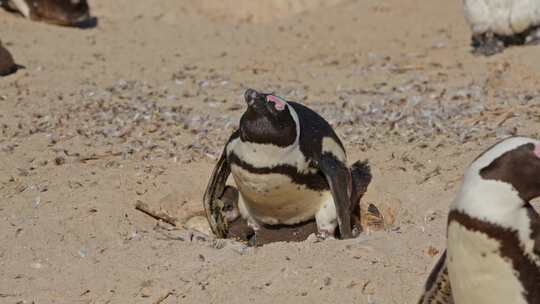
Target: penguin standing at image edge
x=493 y=236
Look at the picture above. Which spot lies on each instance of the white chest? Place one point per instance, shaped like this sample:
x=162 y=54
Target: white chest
x=478 y=273
x=268 y=155
x=275 y=199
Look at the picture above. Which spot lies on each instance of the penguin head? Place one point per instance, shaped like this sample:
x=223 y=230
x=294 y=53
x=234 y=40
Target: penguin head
x=269 y=119
x=517 y=165
x=502 y=179
x=62 y=12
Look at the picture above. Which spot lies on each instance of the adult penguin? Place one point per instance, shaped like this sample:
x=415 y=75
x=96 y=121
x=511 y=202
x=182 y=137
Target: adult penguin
x=496 y=24
x=289 y=167
x=493 y=245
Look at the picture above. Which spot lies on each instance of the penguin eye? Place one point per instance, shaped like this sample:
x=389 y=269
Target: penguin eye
x=279 y=103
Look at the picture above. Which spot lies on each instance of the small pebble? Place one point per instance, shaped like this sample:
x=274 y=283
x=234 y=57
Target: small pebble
x=36 y=201
x=146 y=292
x=83 y=253
x=327 y=281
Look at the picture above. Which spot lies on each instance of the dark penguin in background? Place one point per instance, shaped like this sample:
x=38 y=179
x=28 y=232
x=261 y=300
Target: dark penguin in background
x=493 y=246
x=7 y=64
x=289 y=167
x=496 y=24
x=59 y=12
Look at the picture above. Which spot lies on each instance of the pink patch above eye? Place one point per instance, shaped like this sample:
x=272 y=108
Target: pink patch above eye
x=279 y=104
x=537 y=150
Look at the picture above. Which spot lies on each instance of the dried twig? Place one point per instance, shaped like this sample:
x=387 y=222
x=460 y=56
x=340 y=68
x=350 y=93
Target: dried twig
x=85 y=158
x=163 y=297
x=158 y=215
x=504 y=118
x=429 y=175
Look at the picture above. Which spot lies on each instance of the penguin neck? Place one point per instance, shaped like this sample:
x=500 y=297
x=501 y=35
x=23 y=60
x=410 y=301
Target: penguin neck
x=490 y=200
x=495 y=204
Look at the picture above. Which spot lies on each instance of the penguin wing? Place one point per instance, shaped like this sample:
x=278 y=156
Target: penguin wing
x=214 y=190
x=319 y=142
x=535 y=228
x=338 y=177
x=437 y=288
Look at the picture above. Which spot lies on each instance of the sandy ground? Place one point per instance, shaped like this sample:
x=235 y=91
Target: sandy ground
x=139 y=108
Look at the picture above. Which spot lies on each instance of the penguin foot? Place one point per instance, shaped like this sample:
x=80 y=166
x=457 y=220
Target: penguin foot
x=313 y=238
x=533 y=37
x=253 y=225
x=252 y=241
x=324 y=234
x=487 y=44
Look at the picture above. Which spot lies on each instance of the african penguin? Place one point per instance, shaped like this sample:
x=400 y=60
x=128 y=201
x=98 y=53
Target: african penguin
x=60 y=12
x=493 y=236
x=7 y=64
x=496 y=24
x=289 y=167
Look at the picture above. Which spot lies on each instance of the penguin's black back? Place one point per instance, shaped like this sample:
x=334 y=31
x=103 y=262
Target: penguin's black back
x=313 y=128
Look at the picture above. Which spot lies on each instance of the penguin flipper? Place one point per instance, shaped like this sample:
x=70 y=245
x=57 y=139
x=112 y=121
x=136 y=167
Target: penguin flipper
x=535 y=228
x=437 y=288
x=338 y=178
x=213 y=206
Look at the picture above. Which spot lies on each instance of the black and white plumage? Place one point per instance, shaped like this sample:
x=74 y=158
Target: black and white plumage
x=60 y=12
x=493 y=246
x=496 y=24
x=289 y=167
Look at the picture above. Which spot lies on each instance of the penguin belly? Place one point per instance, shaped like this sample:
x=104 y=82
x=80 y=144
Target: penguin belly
x=274 y=198
x=478 y=273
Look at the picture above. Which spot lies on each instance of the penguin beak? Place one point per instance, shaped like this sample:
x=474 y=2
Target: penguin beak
x=251 y=96
x=264 y=103
x=256 y=101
